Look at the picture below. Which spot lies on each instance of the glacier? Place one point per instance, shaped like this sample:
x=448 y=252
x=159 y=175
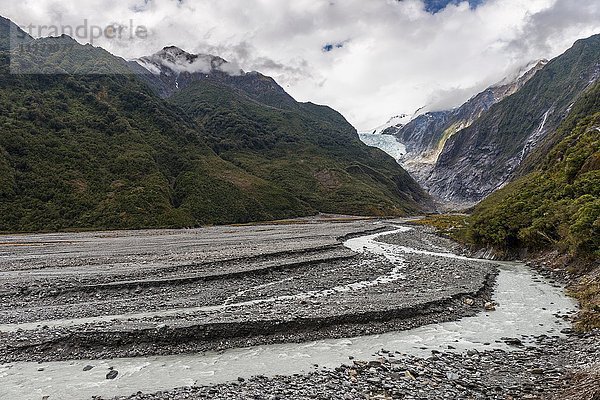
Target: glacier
x=387 y=143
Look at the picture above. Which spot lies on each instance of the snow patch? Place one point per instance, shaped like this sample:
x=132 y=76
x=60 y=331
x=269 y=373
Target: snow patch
x=397 y=121
x=174 y=61
x=150 y=67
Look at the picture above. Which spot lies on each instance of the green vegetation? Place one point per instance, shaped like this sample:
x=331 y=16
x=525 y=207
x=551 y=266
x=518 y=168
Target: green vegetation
x=101 y=150
x=11 y=35
x=587 y=291
x=454 y=226
x=553 y=208
x=556 y=205
x=310 y=151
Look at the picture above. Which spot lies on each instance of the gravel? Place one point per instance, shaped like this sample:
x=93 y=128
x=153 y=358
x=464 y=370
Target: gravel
x=259 y=274
x=263 y=284
x=554 y=368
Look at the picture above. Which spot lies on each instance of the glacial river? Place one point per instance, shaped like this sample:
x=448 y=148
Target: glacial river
x=527 y=305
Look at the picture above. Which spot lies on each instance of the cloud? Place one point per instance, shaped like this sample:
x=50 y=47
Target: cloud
x=394 y=57
x=175 y=60
x=546 y=30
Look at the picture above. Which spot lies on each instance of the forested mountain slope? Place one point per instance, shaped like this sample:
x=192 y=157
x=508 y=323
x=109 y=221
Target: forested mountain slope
x=555 y=206
x=87 y=144
x=558 y=202
x=311 y=151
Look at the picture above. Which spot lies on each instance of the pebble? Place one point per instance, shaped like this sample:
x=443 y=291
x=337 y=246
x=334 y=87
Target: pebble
x=531 y=372
x=112 y=374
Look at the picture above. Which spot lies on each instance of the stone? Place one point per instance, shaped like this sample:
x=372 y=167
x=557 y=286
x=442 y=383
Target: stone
x=512 y=341
x=112 y=374
x=537 y=371
x=452 y=376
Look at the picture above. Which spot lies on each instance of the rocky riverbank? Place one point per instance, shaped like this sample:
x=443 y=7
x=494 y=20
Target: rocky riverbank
x=580 y=273
x=549 y=368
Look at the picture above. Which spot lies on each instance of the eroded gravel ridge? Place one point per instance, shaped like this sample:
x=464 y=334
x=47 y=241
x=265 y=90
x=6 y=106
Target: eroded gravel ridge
x=257 y=285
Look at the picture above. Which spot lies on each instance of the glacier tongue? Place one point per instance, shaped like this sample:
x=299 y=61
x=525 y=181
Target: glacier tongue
x=387 y=143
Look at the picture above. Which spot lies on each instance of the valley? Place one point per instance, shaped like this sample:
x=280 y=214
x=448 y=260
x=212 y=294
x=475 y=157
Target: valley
x=463 y=155
x=174 y=227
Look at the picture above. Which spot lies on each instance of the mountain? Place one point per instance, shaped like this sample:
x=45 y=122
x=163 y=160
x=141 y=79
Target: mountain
x=483 y=157
x=11 y=35
x=102 y=152
x=558 y=201
x=88 y=143
x=556 y=205
x=424 y=137
x=172 y=70
x=309 y=150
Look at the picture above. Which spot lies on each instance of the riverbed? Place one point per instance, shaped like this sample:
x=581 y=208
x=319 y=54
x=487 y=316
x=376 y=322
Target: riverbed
x=527 y=305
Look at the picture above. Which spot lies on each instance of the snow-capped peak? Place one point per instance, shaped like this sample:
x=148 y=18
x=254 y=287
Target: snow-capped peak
x=174 y=61
x=397 y=121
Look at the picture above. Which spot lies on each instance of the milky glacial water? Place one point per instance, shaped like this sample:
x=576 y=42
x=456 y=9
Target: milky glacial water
x=527 y=305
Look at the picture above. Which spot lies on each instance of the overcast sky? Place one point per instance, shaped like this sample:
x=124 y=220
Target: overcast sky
x=369 y=59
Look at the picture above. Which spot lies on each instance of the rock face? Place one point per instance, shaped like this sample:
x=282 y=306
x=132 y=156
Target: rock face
x=463 y=155
x=422 y=137
x=483 y=157
x=426 y=135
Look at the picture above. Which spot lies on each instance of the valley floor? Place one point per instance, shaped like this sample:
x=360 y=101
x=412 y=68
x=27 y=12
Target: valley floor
x=127 y=294
x=101 y=296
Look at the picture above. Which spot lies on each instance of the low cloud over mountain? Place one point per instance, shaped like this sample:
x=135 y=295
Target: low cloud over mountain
x=396 y=56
